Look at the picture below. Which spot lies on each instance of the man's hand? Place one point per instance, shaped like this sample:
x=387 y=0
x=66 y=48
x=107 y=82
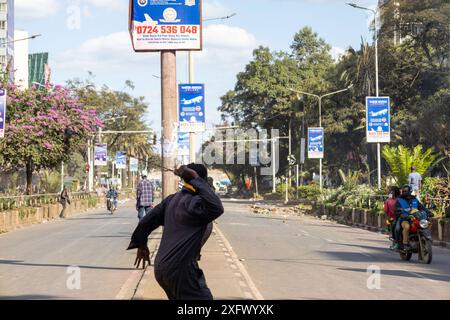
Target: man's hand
x=143 y=254
x=186 y=174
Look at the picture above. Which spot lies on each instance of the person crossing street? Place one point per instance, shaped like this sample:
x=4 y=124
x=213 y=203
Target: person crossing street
x=144 y=196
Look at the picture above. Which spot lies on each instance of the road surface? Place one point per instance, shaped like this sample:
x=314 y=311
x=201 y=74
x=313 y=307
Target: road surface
x=306 y=258
x=34 y=261
x=287 y=258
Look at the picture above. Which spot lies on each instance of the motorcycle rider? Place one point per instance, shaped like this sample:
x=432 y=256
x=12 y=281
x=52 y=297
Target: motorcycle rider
x=112 y=196
x=389 y=209
x=406 y=204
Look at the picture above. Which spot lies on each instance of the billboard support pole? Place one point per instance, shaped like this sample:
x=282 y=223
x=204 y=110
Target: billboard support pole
x=191 y=134
x=321 y=160
x=169 y=120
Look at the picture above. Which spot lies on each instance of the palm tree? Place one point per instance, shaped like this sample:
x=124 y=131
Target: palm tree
x=401 y=159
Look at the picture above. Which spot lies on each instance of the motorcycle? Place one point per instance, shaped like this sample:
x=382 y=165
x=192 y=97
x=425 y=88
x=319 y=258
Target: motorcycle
x=110 y=205
x=420 y=238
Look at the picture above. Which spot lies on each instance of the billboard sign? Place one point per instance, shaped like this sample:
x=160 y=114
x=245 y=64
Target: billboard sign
x=192 y=107
x=315 y=143
x=134 y=165
x=101 y=155
x=183 y=143
x=121 y=160
x=157 y=25
x=378 y=119
x=2 y=112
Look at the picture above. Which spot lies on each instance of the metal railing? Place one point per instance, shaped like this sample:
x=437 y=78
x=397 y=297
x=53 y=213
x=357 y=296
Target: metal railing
x=11 y=202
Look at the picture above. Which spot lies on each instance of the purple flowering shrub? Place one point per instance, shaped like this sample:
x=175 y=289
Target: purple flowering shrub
x=43 y=127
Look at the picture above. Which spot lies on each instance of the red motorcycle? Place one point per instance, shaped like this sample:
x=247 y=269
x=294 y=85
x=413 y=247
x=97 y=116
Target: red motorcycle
x=420 y=238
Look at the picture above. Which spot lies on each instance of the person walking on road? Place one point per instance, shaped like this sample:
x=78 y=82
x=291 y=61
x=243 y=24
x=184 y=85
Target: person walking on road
x=186 y=216
x=144 y=196
x=415 y=181
x=64 y=200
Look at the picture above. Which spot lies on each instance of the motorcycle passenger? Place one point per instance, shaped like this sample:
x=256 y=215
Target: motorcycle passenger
x=112 y=195
x=389 y=209
x=405 y=206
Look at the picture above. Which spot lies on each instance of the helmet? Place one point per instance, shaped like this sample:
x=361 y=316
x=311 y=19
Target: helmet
x=406 y=190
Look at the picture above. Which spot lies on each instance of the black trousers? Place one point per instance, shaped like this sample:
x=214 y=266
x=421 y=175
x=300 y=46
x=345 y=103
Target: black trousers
x=184 y=283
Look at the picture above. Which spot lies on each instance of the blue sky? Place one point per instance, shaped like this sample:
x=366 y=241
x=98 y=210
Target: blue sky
x=97 y=40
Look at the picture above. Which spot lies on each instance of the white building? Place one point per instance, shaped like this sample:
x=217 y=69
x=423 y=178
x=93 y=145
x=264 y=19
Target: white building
x=21 y=59
x=7 y=37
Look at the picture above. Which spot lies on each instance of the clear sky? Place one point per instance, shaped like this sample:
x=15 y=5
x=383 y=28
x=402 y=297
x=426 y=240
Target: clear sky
x=92 y=35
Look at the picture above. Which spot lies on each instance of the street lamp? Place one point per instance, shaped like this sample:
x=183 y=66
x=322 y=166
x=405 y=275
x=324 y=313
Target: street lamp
x=23 y=39
x=320 y=116
x=191 y=80
x=375 y=14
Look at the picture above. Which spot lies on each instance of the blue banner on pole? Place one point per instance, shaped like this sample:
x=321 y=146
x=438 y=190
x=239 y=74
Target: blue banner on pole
x=2 y=112
x=183 y=143
x=121 y=160
x=192 y=107
x=378 y=119
x=158 y=25
x=101 y=155
x=315 y=143
x=134 y=165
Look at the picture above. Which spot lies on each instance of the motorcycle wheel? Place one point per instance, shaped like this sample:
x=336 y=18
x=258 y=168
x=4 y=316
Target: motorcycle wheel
x=406 y=256
x=426 y=249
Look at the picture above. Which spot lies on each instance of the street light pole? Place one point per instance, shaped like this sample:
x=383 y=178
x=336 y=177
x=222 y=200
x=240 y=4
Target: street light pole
x=375 y=14
x=320 y=98
x=192 y=141
x=192 y=135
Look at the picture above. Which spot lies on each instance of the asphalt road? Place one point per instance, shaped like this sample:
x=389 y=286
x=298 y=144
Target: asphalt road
x=287 y=258
x=307 y=258
x=34 y=261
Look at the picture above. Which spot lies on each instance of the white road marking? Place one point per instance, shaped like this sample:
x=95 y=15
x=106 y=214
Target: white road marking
x=243 y=271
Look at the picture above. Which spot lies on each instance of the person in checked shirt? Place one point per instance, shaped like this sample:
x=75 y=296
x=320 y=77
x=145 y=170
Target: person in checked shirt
x=144 y=196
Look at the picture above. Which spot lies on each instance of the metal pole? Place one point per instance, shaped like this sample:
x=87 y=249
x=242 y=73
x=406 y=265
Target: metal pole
x=256 y=183
x=287 y=188
x=378 y=94
x=191 y=134
x=62 y=175
x=274 y=178
x=296 y=183
x=321 y=160
x=99 y=169
x=113 y=172
x=290 y=152
x=89 y=173
x=169 y=120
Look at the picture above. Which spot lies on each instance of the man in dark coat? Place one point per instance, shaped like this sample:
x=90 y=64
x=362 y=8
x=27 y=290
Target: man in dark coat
x=185 y=217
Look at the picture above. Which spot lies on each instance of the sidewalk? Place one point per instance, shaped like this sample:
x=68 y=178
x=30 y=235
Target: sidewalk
x=225 y=274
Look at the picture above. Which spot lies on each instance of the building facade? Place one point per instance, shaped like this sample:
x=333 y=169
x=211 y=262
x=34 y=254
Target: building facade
x=7 y=37
x=21 y=59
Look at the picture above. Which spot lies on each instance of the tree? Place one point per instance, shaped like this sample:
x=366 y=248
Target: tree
x=261 y=98
x=129 y=113
x=401 y=159
x=43 y=126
